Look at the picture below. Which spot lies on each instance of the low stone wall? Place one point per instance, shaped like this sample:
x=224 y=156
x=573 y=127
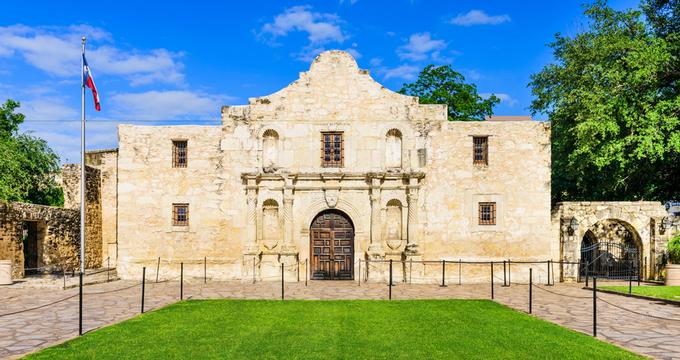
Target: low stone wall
x=59 y=237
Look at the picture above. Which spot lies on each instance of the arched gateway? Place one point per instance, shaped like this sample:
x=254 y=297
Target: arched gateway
x=332 y=246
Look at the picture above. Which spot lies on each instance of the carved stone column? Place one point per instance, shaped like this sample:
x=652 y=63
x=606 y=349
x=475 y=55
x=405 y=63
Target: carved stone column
x=375 y=249
x=288 y=219
x=251 y=252
x=251 y=222
x=412 y=227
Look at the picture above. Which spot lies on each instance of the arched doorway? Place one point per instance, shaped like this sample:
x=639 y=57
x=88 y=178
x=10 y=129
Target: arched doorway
x=331 y=246
x=611 y=249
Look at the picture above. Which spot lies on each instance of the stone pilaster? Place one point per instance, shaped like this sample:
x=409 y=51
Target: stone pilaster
x=251 y=221
x=375 y=249
x=288 y=235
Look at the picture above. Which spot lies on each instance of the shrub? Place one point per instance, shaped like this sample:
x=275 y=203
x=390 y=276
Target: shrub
x=674 y=250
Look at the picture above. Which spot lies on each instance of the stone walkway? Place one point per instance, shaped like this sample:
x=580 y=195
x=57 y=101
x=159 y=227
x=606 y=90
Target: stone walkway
x=566 y=304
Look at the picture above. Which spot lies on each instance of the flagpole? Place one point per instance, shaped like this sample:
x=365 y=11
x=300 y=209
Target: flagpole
x=82 y=160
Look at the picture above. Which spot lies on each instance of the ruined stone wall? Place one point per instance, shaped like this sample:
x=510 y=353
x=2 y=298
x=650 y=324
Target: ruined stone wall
x=58 y=240
x=70 y=180
x=106 y=161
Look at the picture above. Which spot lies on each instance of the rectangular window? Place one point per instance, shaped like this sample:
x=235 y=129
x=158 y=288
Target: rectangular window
x=180 y=214
x=487 y=213
x=179 y=153
x=332 y=149
x=480 y=150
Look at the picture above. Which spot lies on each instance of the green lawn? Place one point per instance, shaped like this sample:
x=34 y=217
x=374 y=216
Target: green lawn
x=421 y=329
x=663 y=292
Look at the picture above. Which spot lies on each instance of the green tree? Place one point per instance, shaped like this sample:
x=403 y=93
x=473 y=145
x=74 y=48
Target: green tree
x=443 y=85
x=614 y=113
x=28 y=166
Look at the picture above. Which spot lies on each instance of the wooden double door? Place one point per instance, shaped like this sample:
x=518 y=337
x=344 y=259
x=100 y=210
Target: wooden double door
x=332 y=246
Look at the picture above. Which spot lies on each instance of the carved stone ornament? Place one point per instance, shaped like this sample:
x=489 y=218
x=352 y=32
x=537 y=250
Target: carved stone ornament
x=331 y=197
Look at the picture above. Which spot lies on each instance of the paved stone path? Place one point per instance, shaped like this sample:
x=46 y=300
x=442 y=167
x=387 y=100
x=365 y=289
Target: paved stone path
x=566 y=304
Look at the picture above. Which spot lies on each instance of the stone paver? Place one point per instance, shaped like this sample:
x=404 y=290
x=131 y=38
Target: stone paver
x=566 y=304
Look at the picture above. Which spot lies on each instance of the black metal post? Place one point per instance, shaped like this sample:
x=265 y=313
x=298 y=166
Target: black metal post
x=143 y=286
x=307 y=271
x=390 y=284
x=630 y=284
x=509 y=278
x=181 y=281
x=587 y=275
x=282 y=286
x=578 y=273
x=205 y=269
x=443 y=273
x=298 y=270
x=80 y=306
x=531 y=284
x=594 y=306
x=505 y=283
x=108 y=269
x=158 y=268
x=492 y=280
x=64 y=279
x=460 y=265
x=410 y=271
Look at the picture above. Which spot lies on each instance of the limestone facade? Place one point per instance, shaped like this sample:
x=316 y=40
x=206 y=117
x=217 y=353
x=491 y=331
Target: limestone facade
x=406 y=180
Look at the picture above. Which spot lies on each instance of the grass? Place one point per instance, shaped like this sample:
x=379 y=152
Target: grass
x=419 y=329
x=661 y=292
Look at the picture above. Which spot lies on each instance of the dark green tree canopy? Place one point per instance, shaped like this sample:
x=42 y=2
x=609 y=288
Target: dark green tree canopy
x=614 y=109
x=443 y=85
x=27 y=164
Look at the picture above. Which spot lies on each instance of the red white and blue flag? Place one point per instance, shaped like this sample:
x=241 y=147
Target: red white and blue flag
x=88 y=81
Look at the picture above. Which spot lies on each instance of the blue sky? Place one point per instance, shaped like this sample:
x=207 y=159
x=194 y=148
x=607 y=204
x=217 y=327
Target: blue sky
x=178 y=63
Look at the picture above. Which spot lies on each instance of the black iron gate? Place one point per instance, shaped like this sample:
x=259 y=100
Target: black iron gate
x=610 y=261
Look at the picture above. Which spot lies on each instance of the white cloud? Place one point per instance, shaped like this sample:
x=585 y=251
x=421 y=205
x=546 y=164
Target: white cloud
x=375 y=62
x=319 y=27
x=505 y=98
x=421 y=46
x=471 y=74
x=168 y=105
x=406 y=72
x=479 y=17
x=56 y=51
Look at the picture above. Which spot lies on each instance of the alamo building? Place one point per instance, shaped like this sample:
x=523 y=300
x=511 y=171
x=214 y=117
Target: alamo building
x=328 y=173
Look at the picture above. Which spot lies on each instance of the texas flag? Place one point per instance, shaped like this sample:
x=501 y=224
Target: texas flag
x=89 y=82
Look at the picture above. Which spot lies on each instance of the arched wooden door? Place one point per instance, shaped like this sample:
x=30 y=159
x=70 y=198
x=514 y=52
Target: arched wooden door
x=332 y=246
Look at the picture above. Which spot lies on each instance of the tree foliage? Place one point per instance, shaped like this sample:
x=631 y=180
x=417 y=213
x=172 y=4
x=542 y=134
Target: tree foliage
x=28 y=166
x=443 y=85
x=612 y=97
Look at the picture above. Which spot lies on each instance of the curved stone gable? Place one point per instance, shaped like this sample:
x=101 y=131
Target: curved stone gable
x=334 y=89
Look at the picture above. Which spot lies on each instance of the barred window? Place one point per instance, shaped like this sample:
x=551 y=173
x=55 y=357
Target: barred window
x=487 y=213
x=180 y=214
x=480 y=150
x=179 y=153
x=332 y=149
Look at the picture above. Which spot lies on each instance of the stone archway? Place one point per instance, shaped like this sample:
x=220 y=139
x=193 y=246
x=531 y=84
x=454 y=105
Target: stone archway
x=611 y=248
x=331 y=237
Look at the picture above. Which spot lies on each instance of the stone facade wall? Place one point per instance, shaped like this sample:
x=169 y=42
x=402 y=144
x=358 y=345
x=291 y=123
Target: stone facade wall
x=423 y=176
x=58 y=238
x=106 y=161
